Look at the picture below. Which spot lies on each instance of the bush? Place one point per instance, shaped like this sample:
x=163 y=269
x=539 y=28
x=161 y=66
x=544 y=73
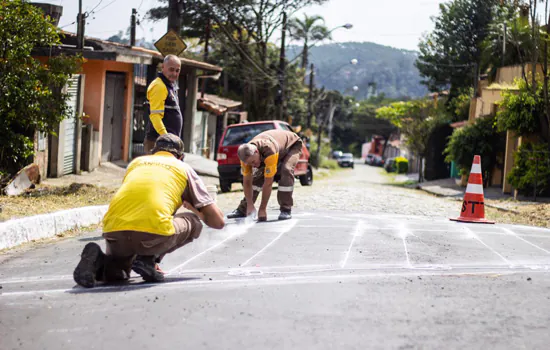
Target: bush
x=328 y=163
x=479 y=138
x=524 y=172
x=402 y=165
x=520 y=110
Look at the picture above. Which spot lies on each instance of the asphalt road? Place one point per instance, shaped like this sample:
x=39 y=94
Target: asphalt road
x=330 y=278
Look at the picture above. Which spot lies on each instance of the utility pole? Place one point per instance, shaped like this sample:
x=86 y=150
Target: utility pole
x=133 y=28
x=310 y=97
x=282 y=66
x=80 y=21
x=174 y=20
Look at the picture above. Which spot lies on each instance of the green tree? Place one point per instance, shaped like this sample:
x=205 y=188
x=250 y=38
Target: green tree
x=241 y=33
x=308 y=30
x=520 y=110
x=479 y=138
x=416 y=119
x=451 y=55
x=32 y=98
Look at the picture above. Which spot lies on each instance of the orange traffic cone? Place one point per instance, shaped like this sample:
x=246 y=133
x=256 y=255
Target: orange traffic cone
x=473 y=206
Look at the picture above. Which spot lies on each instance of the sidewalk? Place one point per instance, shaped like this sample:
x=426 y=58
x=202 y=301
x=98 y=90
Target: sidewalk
x=493 y=195
x=110 y=175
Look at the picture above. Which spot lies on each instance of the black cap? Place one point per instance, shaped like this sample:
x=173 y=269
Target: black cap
x=169 y=143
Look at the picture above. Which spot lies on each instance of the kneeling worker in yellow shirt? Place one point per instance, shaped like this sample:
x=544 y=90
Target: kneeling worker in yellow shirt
x=141 y=224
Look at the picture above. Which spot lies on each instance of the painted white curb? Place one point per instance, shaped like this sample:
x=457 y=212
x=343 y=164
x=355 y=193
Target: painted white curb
x=17 y=231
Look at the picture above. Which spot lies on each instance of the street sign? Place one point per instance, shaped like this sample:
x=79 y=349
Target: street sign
x=170 y=44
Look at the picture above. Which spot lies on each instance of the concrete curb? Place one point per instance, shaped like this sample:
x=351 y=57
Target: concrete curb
x=18 y=231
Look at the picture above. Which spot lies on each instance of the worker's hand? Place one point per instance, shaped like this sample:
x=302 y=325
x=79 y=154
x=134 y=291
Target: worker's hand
x=262 y=214
x=250 y=210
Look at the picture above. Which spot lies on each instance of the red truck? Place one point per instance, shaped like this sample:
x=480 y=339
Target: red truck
x=229 y=166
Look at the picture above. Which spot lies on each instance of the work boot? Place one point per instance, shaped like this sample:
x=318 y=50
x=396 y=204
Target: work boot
x=116 y=269
x=285 y=215
x=91 y=261
x=236 y=214
x=145 y=267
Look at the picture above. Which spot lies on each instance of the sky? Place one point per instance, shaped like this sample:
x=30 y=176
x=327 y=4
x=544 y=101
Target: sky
x=395 y=23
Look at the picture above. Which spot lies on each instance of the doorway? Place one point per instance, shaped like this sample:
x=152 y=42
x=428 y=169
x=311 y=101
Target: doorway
x=113 y=113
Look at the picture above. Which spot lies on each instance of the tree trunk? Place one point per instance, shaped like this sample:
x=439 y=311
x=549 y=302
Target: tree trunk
x=304 y=56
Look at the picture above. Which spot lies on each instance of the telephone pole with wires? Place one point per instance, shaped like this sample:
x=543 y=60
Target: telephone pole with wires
x=133 y=28
x=80 y=22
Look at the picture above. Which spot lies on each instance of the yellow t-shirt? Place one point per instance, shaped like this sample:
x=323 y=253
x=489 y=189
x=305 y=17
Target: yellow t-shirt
x=149 y=196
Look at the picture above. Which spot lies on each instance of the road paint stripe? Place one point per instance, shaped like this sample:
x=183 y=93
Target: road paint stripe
x=285 y=230
x=239 y=230
x=259 y=280
x=357 y=232
x=524 y=240
x=473 y=235
x=403 y=233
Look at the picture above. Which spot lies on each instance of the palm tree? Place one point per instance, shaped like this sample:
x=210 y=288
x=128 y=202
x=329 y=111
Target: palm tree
x=308 y=30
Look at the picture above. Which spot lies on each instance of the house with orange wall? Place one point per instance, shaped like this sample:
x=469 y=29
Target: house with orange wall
x=107 y=100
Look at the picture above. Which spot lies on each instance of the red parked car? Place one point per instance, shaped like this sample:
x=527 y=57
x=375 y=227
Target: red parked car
x=229 y=165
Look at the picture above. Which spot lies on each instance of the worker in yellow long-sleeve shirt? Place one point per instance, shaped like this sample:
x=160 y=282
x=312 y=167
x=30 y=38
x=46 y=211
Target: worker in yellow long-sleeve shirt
x=164 y=111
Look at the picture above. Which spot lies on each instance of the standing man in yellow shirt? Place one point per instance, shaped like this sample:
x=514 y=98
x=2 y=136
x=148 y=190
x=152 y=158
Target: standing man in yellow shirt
x=271 y=152
x=141 y=224
x=164 y=111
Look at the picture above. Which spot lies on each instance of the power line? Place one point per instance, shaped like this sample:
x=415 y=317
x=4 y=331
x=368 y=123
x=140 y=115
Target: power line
x=99 y=3
x=66 y=25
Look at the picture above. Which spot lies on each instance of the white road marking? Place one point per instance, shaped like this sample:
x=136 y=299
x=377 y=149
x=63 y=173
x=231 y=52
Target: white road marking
x=403 y=233
x=357 y=232
x=261 y=281
x=284 y=230
x=523 y=239
x=238 y=230
x=473 y=235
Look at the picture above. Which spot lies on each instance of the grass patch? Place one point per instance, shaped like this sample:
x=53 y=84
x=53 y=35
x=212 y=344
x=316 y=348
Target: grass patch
x=46 y=199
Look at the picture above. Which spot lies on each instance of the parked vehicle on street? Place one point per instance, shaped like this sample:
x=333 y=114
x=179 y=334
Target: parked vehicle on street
x=390 y=165
x=346 y=160
x=229 y=165
x=374 y=159
x=337 y=154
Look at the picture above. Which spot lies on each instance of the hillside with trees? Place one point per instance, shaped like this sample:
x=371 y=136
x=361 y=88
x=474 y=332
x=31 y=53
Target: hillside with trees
x=381 y=69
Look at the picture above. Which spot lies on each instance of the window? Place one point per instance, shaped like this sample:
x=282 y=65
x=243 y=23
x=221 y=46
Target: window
x=244 y=133
x=285 y=127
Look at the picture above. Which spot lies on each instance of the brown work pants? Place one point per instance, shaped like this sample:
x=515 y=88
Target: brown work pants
x=123 y=246
x=285 y=169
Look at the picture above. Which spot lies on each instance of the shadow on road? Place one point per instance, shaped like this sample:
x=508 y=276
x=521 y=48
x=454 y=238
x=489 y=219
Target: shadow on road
x=127 y=286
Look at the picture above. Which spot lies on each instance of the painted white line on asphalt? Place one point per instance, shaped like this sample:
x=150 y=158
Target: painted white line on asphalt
x=260 y=280
x=473 y=235
x=238 y=230
x=403 y=233
x=284 y=230
x=523 y=239
x=357 y=232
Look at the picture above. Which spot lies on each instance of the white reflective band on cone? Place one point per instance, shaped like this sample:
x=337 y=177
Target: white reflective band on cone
x=257 y=188
x=474 y=189
x=286 y=188
x=476 y=169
